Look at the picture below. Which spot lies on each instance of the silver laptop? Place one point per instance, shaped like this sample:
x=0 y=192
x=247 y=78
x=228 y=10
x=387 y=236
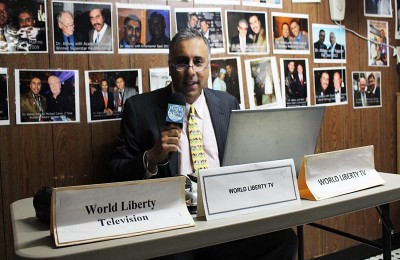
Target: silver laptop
x=273 y=134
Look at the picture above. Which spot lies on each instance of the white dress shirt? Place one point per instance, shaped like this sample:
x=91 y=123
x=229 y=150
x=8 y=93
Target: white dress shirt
x=100 y=34
x=209 y=140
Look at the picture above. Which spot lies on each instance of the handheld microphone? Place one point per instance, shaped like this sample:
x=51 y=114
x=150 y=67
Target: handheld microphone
x=176 y=109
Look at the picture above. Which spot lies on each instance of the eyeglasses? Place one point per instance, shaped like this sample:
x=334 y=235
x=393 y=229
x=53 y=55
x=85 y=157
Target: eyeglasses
x=185 y=67
x=131 y=28
x=68 y=25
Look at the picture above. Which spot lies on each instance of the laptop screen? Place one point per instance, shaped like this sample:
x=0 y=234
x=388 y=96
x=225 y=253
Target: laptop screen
x=273 y=134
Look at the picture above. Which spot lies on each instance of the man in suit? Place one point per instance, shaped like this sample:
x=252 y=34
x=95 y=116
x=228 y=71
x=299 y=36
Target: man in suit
x=31 y=37
x=336 y=50
x=123 y=93
x=157 y=27
x=192 y=21
x=232 y=82
x=258 y=36
x=132 y=32
x=5 y=37
x=241 y=42
x=60 y=104
x=340 y=89
x=33 y=104
x=205 y=28
x=107 y=106
x=102 y=102
x=67 y=39
x=361 y=96
x=291 y=86
x=149 y=148
x=302 y=85
x=374 y=91
x=100 y=36
x=324 y=94
x=320 y=49
x=285 y=41
x=300 y=37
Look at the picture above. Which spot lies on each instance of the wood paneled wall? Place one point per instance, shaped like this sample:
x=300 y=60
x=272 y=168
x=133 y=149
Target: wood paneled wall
x=72 y=154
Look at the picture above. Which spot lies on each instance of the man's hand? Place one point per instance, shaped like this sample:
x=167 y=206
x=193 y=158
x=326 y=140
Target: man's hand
x=168 y=142
x=108 y=112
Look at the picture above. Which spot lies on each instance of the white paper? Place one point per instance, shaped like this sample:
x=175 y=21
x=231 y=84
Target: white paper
x=242 y=189
x=336 y=173
x=86 y=214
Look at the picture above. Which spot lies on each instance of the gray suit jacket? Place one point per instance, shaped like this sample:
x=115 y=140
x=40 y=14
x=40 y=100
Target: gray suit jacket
x=105 y=43
x=142 y=122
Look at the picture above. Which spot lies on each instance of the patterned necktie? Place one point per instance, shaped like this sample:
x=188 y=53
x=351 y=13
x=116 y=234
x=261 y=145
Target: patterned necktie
x=196 y=142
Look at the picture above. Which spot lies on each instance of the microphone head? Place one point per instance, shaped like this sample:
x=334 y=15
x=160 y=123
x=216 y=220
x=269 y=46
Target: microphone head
x=176 y=109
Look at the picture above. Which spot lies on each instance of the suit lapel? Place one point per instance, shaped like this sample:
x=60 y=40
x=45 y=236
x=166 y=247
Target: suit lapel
x=219 y=121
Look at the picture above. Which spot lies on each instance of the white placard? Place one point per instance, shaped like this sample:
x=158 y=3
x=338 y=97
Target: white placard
x=335 y=173
x=241 y=189
x=105 y=211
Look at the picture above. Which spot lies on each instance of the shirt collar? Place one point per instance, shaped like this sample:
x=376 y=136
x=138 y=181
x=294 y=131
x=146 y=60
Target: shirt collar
x=198 y=104
x=101 y=31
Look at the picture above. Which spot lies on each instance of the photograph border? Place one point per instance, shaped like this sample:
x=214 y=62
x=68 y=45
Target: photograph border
x=87 y=92
x=290 y=15
x=55 y=72
x=4 y=73
x=275 y=81
x=283 y=79
x=344 y=81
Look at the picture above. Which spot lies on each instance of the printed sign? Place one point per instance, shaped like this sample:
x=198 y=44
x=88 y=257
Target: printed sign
x=91 y=213
x=241 y=189
x=336 y=173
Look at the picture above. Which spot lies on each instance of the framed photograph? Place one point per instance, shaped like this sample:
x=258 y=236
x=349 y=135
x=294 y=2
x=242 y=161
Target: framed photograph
x=159 y=78
x=306 y=1
x=208 y=21
x=143 y=28
x=330 y=86
x=26 y=29
x=329 y=43
x=366 y=89
x=397 y=19
x=290 y=32
x=47 y=96
x=246 y=32
x=226 y=75
x=263 y=83
x=378 y=49
x=378 y=8
x=220 y=2
x=295 y=82
x=263 y=3
x=4 y=104
x=108 y=90
x=82 y=27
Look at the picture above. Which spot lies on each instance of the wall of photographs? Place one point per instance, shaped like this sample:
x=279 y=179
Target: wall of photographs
x=63 y=64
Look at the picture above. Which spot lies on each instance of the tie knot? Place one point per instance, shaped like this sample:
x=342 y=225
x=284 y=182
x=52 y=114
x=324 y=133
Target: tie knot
x=192 y=110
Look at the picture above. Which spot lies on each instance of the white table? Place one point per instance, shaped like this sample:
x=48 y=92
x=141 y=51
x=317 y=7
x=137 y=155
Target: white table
x=32 y=238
